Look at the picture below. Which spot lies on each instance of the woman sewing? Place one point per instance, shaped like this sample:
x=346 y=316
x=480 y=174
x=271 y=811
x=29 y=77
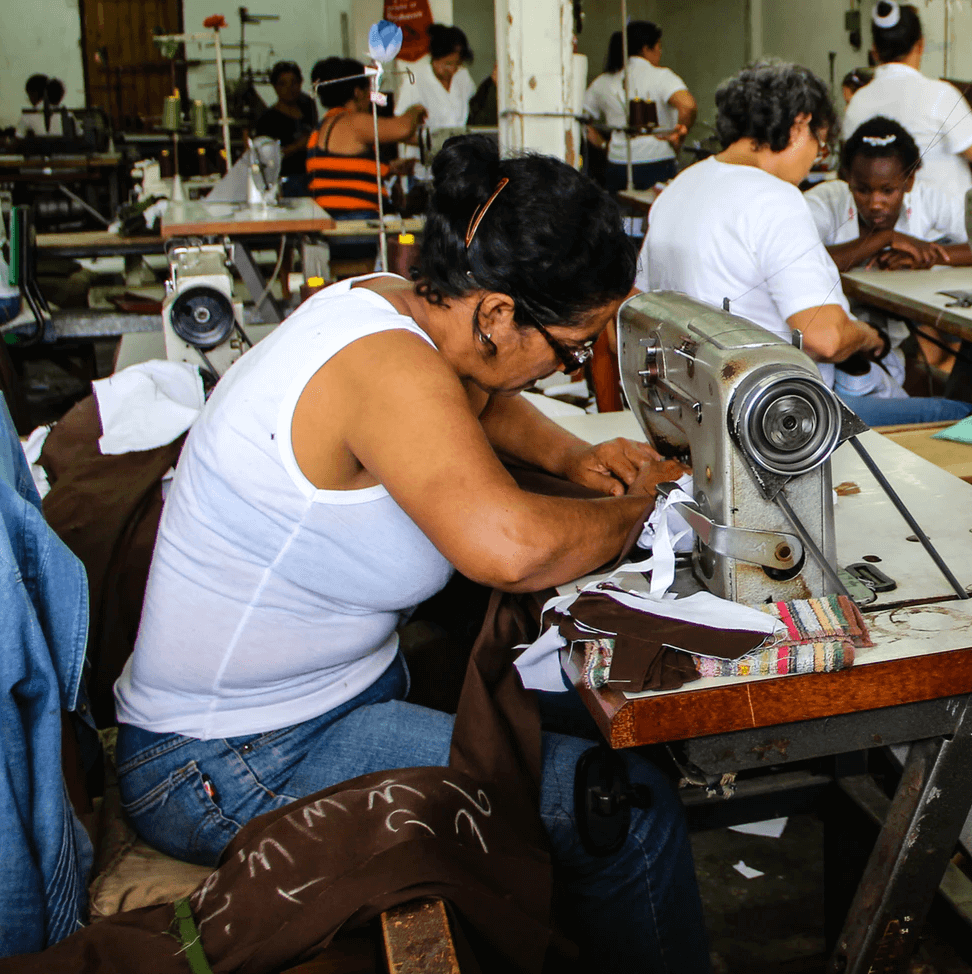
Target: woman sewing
x=734 y=228
x=290 y=120
x=336 y=478
x=934 y=112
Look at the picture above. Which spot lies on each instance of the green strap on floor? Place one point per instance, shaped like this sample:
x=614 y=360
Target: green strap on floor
x=190 y=939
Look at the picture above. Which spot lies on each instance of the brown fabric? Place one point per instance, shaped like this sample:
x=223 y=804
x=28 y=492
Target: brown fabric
x=106 y=509
x=645 y=647
x=470 y=833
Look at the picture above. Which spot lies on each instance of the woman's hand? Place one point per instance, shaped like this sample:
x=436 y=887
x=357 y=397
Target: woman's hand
x=401 y=167
x=656 y=472
x=612 y=467
x=910 y=252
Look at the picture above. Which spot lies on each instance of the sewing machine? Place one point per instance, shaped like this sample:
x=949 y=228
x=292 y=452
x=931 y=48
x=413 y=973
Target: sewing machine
x=200 y=321
x=750 y=413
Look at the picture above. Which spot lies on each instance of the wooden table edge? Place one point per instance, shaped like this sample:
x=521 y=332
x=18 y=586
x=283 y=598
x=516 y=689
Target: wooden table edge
x=772 y=702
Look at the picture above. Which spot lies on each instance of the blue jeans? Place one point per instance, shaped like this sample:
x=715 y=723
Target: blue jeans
x=638 y=910
x=918 y=409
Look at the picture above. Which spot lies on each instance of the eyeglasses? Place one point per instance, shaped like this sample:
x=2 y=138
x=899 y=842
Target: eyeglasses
x=572 y=357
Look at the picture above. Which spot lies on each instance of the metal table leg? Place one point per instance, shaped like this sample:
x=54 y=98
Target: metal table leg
x=910 y=855
x=267 y=308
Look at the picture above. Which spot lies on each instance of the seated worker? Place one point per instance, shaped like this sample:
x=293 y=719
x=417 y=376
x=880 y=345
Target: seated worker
x=337 y=476
x=341 y=154
x=877 y=214
x=290 y=120
x=31 y=121
x=653 y=157
x=853 y=81
x=735 y=227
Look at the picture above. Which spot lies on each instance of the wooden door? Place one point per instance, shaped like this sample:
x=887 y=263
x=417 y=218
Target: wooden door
x=124 y=72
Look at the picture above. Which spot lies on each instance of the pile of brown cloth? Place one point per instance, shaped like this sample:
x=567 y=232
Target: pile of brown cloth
x=106 y=509
x=470 y=833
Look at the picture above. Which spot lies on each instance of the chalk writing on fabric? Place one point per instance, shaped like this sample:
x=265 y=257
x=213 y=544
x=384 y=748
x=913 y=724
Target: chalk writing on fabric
x=291 y=894
x=259 y=856
x=482 y=805
x=386 y=795
x=227 y=900
x=409 y=821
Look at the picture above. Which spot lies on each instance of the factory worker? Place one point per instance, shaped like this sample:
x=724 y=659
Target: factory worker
x=652 y=157
x=878 y=214
x=735 y=227
x=934 y=112
x=603 y=101
x=442 y=85
x=853 y=81
x=290 y=120
x=338 y=474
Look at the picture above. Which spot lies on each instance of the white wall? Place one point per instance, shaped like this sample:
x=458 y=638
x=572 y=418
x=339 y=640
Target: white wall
x=42 y=37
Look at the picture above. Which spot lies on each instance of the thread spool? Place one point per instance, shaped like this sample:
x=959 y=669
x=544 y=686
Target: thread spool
x=642 y=115
x=172 y=113
x=202 y=162
x=200 y=119
x=166 y=168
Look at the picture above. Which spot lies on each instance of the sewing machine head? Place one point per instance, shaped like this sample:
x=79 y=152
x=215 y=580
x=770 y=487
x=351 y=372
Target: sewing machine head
x=752 y=416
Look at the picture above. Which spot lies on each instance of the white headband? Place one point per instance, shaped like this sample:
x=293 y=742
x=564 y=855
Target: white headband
x=890 y=19
x=878 y=139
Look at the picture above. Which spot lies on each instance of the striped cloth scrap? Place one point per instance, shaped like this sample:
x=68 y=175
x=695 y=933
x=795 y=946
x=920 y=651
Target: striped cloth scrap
x=821 y=636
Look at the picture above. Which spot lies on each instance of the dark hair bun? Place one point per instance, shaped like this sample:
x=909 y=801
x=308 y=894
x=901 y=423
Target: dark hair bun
x=464 y=172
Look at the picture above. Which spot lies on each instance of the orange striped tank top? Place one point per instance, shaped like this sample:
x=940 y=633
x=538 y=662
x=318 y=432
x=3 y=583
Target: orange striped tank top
x=341 y=182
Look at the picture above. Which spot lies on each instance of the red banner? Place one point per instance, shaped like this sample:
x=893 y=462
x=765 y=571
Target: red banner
x=414 y=18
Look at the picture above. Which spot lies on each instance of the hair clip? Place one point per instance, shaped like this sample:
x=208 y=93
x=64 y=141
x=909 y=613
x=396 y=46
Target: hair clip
x=878 y=139
x=480 y=212
x=891 y=18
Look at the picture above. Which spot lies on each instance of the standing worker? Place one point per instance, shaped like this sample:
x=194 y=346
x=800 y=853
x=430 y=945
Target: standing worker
x=652 y=156
x=934 y=112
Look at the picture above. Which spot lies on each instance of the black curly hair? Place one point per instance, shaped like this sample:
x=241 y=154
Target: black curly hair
x=893 y=43
x=338 y=92
x=881 y=138
x=551 y=239
x=445 y=40
x=763 y=101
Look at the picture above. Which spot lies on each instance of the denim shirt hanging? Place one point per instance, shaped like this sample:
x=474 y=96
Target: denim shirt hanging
x=45 y=853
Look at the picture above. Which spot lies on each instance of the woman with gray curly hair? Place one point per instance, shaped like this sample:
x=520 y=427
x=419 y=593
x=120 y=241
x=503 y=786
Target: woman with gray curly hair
x=735 y=229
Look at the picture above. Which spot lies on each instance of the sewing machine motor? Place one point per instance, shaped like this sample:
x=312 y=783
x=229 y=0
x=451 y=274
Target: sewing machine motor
x=750 y=413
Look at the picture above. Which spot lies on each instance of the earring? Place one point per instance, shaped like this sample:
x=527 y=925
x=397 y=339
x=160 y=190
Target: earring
x=484 y=337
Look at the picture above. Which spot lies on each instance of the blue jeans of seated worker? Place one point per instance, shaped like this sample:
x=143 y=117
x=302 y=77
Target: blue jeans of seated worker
x=638 y=910
x=916 y=409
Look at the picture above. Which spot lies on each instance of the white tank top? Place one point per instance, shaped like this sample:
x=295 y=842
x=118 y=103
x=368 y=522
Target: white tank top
x=270 y=602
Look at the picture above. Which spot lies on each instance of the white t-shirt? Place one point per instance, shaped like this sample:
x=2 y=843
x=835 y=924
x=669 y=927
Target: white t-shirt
x=270 y=602
x=647 y=82
x=605 y=101
x=720 y=231
x=927 y=212
x=934 y=113
x=447 y=109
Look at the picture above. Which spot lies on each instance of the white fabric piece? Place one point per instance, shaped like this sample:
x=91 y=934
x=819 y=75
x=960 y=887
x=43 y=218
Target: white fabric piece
x=676 y=524
x=32 y=447
x=934 y=113
x=148 y=405
x=647 y=82
x=727 y=231
x=539 y=662
x=928 y=212
x=747 y=871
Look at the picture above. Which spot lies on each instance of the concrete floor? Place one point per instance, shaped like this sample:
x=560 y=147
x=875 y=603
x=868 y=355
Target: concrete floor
x=774 y=924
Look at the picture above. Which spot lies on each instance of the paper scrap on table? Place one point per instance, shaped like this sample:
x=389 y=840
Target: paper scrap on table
x=770 y=827
x=961 y=432
x=747 y=871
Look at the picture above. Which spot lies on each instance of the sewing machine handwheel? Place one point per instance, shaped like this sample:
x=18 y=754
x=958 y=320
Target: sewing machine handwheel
x=202 y=316
x=788 y=423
